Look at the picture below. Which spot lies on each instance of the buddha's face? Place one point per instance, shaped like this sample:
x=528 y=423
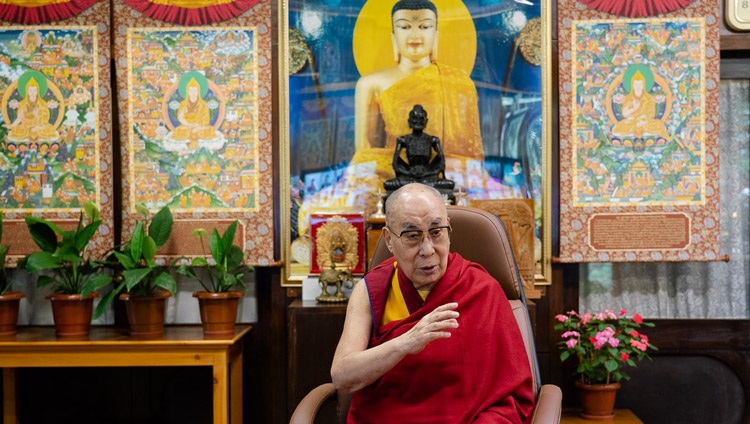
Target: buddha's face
x=414 y=33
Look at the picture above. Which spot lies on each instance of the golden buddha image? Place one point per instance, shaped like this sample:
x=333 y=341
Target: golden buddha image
x=396 y=50
x=32 y=113
x=639 y=108
x=193 y=128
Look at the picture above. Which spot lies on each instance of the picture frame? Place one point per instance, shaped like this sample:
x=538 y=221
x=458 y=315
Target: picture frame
x=326 y=46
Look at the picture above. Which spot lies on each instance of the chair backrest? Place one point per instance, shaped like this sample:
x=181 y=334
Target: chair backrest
x=480 y=237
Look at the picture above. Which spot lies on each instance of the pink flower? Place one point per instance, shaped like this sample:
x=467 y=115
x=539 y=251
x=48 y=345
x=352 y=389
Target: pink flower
x=624 y=356
x=585 y=318
x=623 y=312
x=570 y=334
x=633 y=333
x=637 y=318
x=601 y=316
x=638 y=345
x=573 y=313
x=571 y=343
x=614 y=342
x=561 y=318
x=610 y=314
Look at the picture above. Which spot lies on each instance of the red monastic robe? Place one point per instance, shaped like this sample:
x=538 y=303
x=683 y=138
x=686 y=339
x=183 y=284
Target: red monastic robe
x=480 y=374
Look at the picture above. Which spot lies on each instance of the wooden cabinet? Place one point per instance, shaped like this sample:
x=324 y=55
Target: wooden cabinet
x=314 y=331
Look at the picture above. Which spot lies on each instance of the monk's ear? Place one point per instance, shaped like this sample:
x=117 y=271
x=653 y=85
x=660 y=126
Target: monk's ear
x=434 y=52
x=387 y=238
x=396 y=54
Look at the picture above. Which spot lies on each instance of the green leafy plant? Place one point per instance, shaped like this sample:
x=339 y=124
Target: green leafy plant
x=227 y=269
x=134 y=260
x=6 y=283
x=63 y=252
x=603 y=343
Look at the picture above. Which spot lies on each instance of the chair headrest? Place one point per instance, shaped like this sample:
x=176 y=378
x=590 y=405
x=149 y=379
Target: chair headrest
x=480 y=237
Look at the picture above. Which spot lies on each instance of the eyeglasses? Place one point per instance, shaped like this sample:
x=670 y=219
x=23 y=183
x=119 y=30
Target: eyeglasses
x=413 y=238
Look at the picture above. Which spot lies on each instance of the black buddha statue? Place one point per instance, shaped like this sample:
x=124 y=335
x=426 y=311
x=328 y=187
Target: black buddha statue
x=425 y=161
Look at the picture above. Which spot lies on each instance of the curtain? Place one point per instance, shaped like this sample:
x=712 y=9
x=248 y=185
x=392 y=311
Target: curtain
x=195 y=12
x=636 y=8
x=41 y=11
x=715 y=290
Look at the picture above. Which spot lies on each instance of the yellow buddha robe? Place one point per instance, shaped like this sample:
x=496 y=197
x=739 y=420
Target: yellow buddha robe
x=642 y=120
x=194 y=113
x=395 y=307
x=34 y=125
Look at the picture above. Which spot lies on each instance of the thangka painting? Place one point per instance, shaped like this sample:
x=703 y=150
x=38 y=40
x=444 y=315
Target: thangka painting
x=55 y=125
x=639 y=131
x=197 y=127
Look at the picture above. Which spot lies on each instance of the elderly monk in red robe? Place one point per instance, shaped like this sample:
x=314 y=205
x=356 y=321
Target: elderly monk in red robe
x=430 y=337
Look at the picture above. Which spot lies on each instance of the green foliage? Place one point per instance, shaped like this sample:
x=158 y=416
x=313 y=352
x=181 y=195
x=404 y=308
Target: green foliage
x=5 y=283
x=604 y=344
x=228 y=268
x=134 y=260
x=63 y=253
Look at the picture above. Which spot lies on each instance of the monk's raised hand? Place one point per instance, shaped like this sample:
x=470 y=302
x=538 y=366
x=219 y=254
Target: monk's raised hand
x=433 y=326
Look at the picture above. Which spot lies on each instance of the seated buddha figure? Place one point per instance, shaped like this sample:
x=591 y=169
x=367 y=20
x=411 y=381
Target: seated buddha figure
x=384 y=97
x=193 y=114
x=33 y=115
x=425 y=162
x=639 y=111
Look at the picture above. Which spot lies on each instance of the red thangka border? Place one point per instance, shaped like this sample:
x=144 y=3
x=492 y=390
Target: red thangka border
x=636 y=8
x=182 y=15
x=34 y=15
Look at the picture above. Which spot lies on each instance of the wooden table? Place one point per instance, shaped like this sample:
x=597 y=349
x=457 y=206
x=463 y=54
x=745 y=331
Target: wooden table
x=38 y=347
x=622 y=416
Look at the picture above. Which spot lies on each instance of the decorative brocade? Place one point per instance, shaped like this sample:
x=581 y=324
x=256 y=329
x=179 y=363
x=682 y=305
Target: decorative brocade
x=193 y=12
x=41 y=11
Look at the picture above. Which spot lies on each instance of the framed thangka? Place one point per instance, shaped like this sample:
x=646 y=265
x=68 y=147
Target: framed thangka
x=55 y=125
x=197 y=133
x=482 y=79
x=639 y=133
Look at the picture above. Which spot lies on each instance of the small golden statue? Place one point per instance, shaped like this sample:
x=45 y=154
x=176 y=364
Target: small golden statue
x=333 y=277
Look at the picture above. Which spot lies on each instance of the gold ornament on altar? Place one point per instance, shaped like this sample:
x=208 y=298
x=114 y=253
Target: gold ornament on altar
x=530 y=42
x=336 y=243
x=337 y=254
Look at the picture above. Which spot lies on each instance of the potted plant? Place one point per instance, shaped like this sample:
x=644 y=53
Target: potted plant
x=75 y=276
x=218 y=302
x=146 y=284
x=604 y=344
x=9 y=300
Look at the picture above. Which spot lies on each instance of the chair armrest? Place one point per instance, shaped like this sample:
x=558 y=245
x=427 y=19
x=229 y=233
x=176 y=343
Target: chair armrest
x=548 y=408
x=308 y=407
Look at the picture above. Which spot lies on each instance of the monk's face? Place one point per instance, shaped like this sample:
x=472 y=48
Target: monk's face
x=425 y=263
x=638 y=87
x=414 y=32
x=193 y=93
x=32 y=92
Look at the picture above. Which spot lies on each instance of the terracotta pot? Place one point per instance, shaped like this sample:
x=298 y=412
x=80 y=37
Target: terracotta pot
x=218 y=311
x=597 y=400
x=9 y=312
x=72 y=315
x=146 y=314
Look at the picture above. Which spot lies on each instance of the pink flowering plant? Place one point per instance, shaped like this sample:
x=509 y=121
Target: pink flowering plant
x=604 y=344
